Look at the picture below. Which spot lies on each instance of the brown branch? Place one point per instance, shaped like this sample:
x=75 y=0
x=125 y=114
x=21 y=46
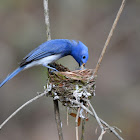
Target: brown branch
x=83 y=129
x=56 y=106
x=76 y=121
x=67 y=116
x=46 y=14
x=108 y=38
x=57 y=119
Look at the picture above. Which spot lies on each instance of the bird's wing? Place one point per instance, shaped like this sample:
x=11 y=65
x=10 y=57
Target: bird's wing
x=46 y=49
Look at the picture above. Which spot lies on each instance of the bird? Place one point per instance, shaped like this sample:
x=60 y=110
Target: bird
x=49 y=52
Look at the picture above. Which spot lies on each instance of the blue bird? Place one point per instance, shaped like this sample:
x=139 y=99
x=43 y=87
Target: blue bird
x=49 y=52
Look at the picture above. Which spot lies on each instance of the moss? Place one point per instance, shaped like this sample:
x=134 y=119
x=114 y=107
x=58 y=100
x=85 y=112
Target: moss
x=64 y=84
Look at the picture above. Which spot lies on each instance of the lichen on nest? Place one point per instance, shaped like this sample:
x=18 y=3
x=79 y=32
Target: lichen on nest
x=69 y=85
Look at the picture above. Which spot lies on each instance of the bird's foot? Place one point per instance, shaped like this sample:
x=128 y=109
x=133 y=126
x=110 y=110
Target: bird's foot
x=51 y=68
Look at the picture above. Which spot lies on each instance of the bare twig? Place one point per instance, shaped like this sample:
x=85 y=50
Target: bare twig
x=101 y=135
x=67 y=116
x=83 y=129
x=56 y=106
x=112 y=129
x=96 y=116
x=98 y=120
x=46 y=14
x=108 y=38
x=76 y=121
x=102 y=121
x=21 y=107
x=57 y=119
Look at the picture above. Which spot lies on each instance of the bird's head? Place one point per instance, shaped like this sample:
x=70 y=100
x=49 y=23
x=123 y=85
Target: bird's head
x=80 y=52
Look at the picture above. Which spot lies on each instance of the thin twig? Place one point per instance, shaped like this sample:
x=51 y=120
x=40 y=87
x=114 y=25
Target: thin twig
x=98 y=120
x=21 y=107
x=109 y=37
x=76 y=121
x=101 y=135
x=46 y=14
x=95 y=114
x=57 y=119
x=83 y=129
x=56 y=107
x=67 y=116
x=112 y=129
x=102 y=121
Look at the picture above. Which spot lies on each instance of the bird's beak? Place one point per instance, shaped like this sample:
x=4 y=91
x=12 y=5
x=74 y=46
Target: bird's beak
x=84 y=64
x=82 y=67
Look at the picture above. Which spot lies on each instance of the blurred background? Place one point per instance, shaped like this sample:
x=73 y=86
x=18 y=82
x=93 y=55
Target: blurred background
x=22 y=29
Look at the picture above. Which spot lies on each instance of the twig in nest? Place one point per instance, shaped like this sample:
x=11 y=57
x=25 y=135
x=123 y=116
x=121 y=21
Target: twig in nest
x=67 y=85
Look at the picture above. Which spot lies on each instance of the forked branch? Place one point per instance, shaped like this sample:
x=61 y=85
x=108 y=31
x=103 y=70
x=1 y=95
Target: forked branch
x=107 y=126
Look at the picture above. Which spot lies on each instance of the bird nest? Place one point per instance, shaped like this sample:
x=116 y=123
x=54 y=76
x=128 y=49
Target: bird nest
x=67 y=85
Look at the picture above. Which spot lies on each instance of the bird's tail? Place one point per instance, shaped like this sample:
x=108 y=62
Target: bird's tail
x=10 y=76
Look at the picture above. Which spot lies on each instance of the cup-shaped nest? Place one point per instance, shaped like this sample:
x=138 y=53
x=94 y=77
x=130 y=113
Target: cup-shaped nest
x=69 y=85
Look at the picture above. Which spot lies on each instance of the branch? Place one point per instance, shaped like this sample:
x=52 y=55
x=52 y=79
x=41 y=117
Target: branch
x=57 y=119
x=76 y=121
x=112 y=129
x=56 y=106
x=83 y=129
x=46 y=14
x=98 y=120
x=96 y=116
x=108 y=38
x=67 y=116
x=20 y=108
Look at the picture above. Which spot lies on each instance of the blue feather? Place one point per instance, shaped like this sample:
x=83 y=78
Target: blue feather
x=56 y=46
x=14 y=73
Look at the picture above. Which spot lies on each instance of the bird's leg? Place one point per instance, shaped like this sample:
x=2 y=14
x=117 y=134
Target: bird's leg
x=52 y=65
x=53 y=69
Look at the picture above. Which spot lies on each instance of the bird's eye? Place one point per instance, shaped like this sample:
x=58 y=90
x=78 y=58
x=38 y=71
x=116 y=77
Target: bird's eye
x=84 y=57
